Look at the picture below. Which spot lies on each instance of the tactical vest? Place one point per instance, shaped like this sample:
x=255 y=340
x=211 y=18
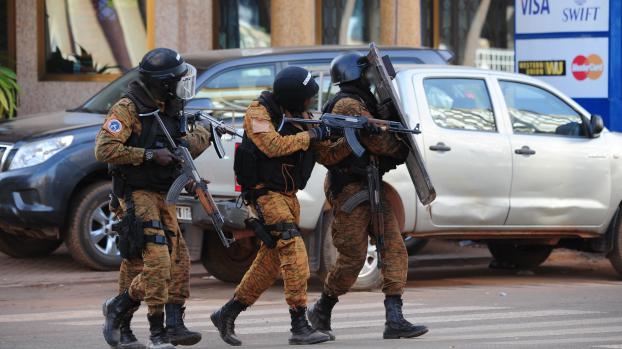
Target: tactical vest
x=283 y=174
x=354 y=169
x=149 y=176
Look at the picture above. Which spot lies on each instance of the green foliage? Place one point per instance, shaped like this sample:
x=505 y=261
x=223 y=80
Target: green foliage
x=8 y=92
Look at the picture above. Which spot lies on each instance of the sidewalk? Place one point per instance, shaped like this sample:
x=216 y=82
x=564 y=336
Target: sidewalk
x=57 y=269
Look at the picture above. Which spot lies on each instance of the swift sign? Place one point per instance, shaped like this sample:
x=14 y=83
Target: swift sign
x=561 y=16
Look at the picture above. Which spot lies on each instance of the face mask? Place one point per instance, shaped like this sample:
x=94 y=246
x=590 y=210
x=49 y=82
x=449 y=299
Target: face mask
x=187 y=83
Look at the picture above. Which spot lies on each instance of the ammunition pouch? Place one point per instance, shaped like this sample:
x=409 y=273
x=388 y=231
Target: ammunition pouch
x=131 y=238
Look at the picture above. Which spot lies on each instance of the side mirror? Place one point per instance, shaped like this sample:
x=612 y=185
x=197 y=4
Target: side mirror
x=596 y=125
x=199 y=104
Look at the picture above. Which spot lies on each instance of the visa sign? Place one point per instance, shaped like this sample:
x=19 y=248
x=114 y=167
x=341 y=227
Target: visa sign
x=535 y=7
x=561 y=16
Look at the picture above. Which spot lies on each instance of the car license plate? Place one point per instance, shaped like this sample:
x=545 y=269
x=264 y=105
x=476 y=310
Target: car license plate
x=184 y=213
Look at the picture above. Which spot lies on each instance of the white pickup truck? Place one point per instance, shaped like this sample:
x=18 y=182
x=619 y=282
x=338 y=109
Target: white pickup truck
x=516 y=164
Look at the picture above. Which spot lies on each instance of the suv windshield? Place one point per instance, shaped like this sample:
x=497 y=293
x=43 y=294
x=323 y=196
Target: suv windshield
x=109 y=95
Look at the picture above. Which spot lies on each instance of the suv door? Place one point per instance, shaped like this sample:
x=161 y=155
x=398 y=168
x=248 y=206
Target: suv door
x=561 y=177
x=226 y=95
x=467 y=156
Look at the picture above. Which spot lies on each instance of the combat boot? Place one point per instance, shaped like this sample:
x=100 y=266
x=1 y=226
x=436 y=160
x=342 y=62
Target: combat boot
x=115 y=309
x=158 y=338
x=302 y=332
x=396 y=326
x=224 y=320
x=175 y=328
x=128 y=340
x=320 y=312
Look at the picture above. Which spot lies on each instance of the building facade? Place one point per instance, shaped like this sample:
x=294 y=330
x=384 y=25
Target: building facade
x=64 y=51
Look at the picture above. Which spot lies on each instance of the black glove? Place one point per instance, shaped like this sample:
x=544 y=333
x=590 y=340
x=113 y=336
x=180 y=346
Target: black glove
x=371 y=129
x=319 y=133
x=386 y=110
x=162 y=157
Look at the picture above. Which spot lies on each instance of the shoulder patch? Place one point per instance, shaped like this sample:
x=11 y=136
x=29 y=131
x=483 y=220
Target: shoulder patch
x=113 y=126
x=260 y=125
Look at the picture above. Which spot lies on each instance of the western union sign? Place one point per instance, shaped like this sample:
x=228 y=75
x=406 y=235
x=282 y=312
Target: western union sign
x=542 y=68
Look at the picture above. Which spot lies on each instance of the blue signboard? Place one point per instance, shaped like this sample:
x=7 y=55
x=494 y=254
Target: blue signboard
x=576 y=46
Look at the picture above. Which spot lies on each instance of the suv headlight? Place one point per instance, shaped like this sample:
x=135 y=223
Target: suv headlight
x=34 y=153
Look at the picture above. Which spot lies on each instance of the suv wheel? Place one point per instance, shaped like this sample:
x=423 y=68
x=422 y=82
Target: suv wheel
x=228 y=264
x=89 y=237
x=615 y=256
x=511 y=255
x=369 y=277
x=25 y=247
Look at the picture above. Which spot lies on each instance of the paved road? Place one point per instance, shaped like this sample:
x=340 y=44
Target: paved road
x=571 y=302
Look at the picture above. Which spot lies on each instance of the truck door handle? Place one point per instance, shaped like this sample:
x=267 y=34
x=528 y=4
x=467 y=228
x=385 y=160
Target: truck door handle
x=440 y=146
x=525 y=150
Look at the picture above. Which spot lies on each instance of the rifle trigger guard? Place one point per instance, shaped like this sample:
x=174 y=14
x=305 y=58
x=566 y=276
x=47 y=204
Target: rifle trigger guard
x=355 y=200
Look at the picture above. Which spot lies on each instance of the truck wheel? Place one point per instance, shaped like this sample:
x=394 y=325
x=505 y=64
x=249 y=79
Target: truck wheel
x=89 y=235
x=512 y=255
x=369 y=277
x=228 y=264
x=414 y=245
x=25 y=247
x=615 y=256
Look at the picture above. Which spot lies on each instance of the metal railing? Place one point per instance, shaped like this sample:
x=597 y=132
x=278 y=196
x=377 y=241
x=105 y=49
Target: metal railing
x=495 y=59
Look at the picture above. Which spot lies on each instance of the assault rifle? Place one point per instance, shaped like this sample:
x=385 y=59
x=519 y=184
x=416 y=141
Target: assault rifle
x=349 y=125
x=191 y=174
x=216 y=127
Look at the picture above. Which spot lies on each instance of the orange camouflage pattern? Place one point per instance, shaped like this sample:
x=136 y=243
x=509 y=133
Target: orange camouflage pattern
x=351 y=231
x=289 y=257
x=159 y=277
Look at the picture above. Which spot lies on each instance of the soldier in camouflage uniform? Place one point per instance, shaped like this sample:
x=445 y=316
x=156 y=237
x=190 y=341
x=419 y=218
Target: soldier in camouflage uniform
x=282 y=161
x=132 y=142
x=351 y=229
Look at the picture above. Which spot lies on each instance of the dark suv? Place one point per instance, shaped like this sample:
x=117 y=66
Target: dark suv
x=53 y=190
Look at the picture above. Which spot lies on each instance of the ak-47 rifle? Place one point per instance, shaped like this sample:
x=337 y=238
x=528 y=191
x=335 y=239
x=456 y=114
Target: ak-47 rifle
x=190 y=173
x=374 y=188
x=218 y=128
x=349 y=125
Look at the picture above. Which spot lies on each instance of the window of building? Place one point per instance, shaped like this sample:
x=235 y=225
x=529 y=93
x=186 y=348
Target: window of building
x=462 y=104
x=92 y=40
x=243 y=23
x=446 y=24
x=7 y=33
x=534 y=110
x=350 y=22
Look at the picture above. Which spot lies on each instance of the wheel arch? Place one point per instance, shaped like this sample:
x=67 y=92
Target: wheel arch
x=95 y=175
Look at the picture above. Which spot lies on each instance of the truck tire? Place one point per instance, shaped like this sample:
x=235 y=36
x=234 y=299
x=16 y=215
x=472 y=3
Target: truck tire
x=370 y=277
x=615 y=256
x=25 y=247
x=228 y=264
x=511 y=255
x=89 y=237
x=414 y=245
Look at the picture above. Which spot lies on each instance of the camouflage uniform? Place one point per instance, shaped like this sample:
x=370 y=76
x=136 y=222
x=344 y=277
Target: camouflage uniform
x=160 y=277
x=350 y=231
x=290 y=256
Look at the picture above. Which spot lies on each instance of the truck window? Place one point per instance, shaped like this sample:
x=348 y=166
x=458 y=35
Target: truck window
x=461 y=104
x=534 y=110
x=233 y=90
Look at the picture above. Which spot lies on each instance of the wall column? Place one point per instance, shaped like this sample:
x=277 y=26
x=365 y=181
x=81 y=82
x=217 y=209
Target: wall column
x=292 y=22
x=400 y=22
